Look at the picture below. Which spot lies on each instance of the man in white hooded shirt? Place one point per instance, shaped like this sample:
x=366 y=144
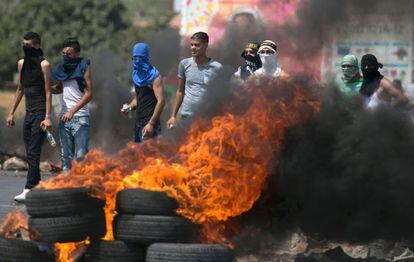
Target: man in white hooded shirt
x=270 y=66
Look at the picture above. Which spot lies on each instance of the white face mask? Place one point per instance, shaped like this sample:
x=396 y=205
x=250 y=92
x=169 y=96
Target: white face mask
x=269 y=62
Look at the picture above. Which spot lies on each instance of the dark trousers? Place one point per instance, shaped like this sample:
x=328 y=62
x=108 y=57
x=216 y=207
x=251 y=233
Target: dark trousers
x=33 y=136
x=139 y=136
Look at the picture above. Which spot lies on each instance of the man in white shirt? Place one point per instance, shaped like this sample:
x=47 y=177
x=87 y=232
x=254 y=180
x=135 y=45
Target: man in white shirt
x=270 y=65
x=75 y=82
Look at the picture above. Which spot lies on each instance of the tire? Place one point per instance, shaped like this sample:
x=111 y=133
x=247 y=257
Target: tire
x=16 y=250
x=60 y=202
x=146 y=230
x=108 y=251
x=68 y=229
x=145 y=202
x=160 y=252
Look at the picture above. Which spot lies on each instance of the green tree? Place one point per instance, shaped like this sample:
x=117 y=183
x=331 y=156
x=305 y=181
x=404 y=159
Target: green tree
x=150 y=14
x=97 y=24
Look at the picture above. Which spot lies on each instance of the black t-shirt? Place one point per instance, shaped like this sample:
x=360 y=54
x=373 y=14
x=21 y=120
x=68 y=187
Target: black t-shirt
x=33 y=84
x=146 y=102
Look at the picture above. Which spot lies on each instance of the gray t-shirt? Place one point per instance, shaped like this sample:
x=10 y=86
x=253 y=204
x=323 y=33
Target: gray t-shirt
x=196 y=82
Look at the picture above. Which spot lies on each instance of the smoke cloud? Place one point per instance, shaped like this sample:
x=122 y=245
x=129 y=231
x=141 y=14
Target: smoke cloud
x=349 y=174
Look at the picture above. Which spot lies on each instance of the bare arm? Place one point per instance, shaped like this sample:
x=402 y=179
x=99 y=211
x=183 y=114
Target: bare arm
x=87 y=96
x=158 y=88
x=47 y=74
x=401 y=99
x=87 y=92
x=179 y=96
x=134 y=102
x=17 y=96
x=126 y=108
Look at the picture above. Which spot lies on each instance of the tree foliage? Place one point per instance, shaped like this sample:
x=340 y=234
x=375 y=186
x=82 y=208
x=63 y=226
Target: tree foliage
x=151 y=14
x=97 y=24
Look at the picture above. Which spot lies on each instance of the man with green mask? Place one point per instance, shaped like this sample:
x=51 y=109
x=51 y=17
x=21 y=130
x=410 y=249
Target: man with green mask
x=351 y=78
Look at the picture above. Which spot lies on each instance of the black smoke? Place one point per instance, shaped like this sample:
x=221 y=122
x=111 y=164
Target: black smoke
x=346 y=175
x=317 y=19
x=349 y=174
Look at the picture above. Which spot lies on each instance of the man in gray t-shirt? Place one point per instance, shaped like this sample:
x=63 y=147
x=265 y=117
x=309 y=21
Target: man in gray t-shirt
x=194 y=75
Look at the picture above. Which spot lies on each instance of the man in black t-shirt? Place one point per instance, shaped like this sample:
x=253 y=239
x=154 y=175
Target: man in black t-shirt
x=149 y=98
x=34 y=83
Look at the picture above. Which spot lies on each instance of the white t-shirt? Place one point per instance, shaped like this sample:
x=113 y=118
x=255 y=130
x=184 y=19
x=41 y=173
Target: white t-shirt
x=373 y=101
x=71 y=96
x=275 y=73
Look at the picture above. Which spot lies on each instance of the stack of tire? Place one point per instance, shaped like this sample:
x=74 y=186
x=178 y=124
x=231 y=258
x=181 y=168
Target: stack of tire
x=56 y=216
x=146 y=223
x=18 y=250
x=65 y=215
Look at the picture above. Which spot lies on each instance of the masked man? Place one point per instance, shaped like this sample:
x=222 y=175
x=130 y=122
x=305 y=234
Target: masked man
x=351 y=79
x=149 y=97
x=74 y=75
x=377 y=89
x=34 y=84
x=252 y=62
x=270 y=66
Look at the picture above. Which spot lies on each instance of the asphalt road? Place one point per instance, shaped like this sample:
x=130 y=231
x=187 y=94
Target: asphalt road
x=11 y=184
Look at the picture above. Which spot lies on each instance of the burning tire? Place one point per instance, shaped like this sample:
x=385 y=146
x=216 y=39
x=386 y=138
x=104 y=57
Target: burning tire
x=60 y=202
x=22 y=251
x=108 y=251
x=147 y=230
x=145 y=202
x=68 y=229
x=188 y=253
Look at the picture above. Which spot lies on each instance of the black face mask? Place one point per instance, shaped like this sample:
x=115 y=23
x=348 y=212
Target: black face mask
x=253 y=60
x=32 y=52
x=369 y=67
x=370 y=73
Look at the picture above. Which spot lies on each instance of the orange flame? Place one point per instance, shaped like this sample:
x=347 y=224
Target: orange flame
x=218 y=173
x=14 y=221
x=68 y=252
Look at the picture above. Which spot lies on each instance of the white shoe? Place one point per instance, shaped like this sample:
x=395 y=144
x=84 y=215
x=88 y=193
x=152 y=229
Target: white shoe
x=22 y=196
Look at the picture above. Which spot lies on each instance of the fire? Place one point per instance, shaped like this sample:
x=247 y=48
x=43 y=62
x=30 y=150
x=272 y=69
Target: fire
x=218 y=172
x=69 y=252
x=14 y=221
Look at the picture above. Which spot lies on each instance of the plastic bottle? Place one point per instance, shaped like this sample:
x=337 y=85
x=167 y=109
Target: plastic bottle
x=50 y=138
x=127 y=108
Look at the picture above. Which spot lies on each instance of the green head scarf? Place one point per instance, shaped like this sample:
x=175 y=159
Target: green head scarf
x=349 y=72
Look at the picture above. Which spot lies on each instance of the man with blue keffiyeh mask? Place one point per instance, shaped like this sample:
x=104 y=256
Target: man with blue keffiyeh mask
x=149 y=98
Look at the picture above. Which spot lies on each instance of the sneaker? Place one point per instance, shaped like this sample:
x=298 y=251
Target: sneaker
x=22 y=196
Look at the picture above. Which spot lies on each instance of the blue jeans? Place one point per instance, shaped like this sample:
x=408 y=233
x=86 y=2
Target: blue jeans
x=138 y=136
x=74 y=138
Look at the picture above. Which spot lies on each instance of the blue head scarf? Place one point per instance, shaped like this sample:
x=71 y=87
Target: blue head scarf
x=72 y=68
x=143 y=72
